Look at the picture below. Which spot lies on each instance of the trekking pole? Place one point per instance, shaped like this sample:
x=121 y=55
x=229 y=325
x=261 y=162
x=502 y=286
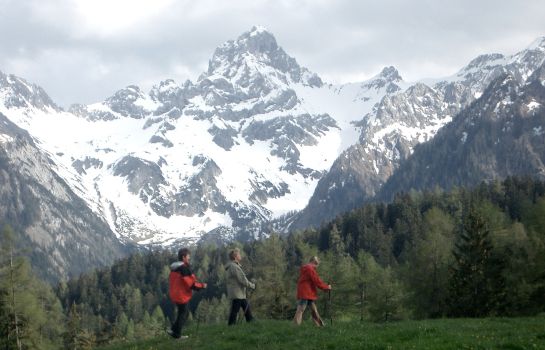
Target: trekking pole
x=239 y=318
x=250 y=292
x=330 y=309
x=198 y=322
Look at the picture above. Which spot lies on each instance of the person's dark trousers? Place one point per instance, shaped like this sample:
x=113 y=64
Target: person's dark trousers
x=235 y=306
x=183 y=311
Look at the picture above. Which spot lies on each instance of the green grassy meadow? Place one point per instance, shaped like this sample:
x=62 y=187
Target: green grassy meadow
x=488 y=333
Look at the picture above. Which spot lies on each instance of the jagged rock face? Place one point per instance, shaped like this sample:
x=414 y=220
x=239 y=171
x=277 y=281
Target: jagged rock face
x=201 y=192
x=18 y=93
x=123 y=102
x=193 y=161
x=89 y=162
x=251 y=51
x=286 y=134
x=64 y=236
x=172 y=98
x=139 y=173
x=348 y=182
x=401 y=121
x=241 y=149
x=499 y=135
x=389 y=77
x=129 y=102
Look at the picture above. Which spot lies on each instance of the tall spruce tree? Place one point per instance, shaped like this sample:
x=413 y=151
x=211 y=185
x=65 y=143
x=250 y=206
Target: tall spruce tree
x=475 y=278
x=76 y=337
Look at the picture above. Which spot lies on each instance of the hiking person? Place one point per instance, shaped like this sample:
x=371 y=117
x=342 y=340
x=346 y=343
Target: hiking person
x=307 y=294
x=237 y=283
x=181 y=284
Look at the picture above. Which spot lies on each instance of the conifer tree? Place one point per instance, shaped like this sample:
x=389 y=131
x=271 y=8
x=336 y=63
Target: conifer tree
x=28 y=305
x=426 y=271
x=76 y=337
x=473 y=274
x=271 y=295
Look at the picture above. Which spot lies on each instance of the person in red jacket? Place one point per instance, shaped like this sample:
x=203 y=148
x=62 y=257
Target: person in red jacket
x=181 y=284
x=307 y=293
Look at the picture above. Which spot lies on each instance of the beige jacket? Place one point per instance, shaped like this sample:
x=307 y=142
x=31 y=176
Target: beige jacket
x=236 y=281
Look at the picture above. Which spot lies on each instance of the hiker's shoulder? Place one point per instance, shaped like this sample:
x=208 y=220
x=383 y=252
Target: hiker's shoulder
x=180 y=267
x=175 y=266
x=232 y=265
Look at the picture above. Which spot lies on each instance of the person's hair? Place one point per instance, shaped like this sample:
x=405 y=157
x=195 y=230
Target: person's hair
x=233 y=253
x=313 y=259
x=183 y=252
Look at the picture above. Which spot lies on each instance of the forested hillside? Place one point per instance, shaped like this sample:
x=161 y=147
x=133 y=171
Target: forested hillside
x=464 y=253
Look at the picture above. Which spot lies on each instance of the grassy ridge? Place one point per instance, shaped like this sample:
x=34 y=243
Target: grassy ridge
x=491 y=333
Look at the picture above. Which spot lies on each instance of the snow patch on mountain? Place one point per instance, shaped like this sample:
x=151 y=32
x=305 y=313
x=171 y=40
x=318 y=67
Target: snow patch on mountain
x=246 y=143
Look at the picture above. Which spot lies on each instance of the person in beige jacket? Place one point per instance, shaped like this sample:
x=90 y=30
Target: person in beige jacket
x=236 y=287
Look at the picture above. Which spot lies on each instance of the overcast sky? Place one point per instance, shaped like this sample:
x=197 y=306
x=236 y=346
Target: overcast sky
x=85 y=50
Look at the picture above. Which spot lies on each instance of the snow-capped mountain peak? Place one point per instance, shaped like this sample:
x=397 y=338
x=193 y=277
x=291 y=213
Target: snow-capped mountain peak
x=389 y=77
x=249 y=141
x=256 y=52
x=16 y=92
x=406 y=117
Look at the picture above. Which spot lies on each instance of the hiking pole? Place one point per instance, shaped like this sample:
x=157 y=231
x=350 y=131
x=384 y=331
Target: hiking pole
x=330 y=310
x=326 y=311
x=249 y=292
x=198 y=322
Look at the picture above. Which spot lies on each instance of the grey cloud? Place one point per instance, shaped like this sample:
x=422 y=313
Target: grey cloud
x=337 y=39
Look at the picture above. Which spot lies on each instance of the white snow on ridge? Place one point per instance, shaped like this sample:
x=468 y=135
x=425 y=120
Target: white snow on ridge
x=242 y=79
x=533 y=105
x=5 y=138
x=68 y=138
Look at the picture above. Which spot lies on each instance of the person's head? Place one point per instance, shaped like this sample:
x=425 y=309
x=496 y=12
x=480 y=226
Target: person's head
x=314 y=260
x=184 y=255
x=234 y=255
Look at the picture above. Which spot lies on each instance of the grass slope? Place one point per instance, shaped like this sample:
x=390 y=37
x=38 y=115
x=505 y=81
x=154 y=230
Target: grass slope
x=492 y=333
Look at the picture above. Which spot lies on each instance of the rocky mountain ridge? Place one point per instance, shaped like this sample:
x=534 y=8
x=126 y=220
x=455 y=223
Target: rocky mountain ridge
x=255 y=138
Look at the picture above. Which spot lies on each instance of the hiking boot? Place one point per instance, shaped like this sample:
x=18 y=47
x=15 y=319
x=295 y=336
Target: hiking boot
x=171 y=333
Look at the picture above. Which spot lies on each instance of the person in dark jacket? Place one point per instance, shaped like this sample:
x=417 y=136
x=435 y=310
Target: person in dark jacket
x=307 y=292
x=237 y=283
x=182 y=282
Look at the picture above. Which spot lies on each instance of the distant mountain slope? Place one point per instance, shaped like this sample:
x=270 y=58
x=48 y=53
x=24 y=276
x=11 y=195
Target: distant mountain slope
x=61 y=234
x=244 y=144
x=500 y=134
x=401 y=121
x=256 y=138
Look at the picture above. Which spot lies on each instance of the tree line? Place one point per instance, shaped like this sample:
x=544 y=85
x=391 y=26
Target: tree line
x=463 y=253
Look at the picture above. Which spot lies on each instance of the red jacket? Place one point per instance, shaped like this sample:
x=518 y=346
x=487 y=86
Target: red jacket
x=309 y=282
x=181 y=283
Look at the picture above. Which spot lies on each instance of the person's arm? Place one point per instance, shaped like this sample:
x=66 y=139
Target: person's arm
x=241 y=278
x=317 y=281
x=197 y=285
x=190 y=280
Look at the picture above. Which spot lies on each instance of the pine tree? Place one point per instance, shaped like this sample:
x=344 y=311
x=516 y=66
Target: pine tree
x=28 y=304
x=158 y=321
x=76 y=337
x=134 y=305
x=336 y=244
x=122 y=325
x=473 y=276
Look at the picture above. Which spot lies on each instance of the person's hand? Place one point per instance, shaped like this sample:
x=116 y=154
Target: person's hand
x=329 y=287
x=252 y=285
x=204 y=285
